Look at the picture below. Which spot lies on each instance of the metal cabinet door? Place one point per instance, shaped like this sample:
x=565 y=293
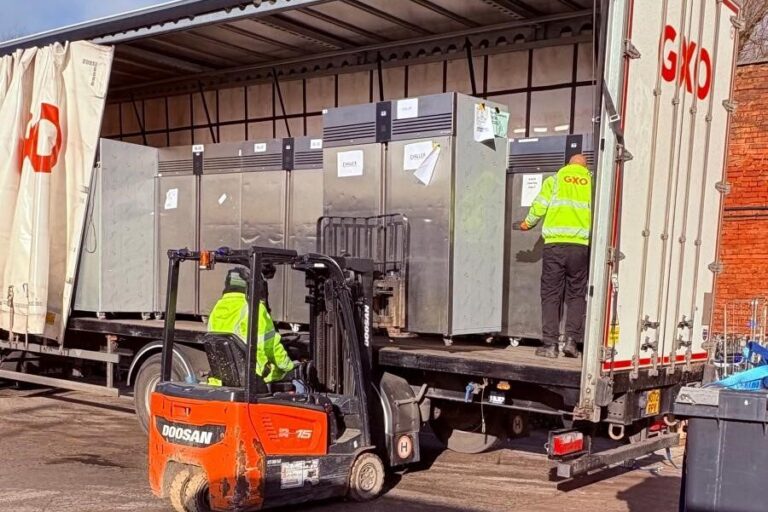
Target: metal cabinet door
x=305 y=206
x=177 y=228
x=428 y=208
x=219 y=227
x=522 y=266
x=263 y=223
x=353 y=196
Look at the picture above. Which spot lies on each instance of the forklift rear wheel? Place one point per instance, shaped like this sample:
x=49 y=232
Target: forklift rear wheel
x=177 y=489
x=196 y=493
x=366 y=480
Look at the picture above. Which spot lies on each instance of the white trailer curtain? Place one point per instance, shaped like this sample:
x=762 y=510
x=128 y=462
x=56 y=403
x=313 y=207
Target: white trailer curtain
x=50 y=116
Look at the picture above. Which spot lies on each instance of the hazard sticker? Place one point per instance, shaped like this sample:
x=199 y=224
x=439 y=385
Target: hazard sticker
x=299 y=473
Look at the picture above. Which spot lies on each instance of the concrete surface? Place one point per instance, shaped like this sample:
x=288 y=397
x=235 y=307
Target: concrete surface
x=64 y=452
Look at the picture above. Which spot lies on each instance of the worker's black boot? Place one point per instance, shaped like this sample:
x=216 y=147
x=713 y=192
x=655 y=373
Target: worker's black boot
x=549 y=351
x=571 y=349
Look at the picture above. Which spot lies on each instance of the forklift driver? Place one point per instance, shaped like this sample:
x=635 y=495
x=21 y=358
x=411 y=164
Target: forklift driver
x=230 y=314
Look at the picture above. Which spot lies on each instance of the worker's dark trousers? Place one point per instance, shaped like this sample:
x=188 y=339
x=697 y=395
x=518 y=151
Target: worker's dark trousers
x=564 y=275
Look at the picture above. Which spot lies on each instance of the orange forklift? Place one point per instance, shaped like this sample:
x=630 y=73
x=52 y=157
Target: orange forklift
x=247 y=445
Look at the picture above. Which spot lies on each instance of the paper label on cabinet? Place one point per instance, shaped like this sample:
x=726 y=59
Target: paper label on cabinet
x=316 y=144
x=198 y=148
x=172 y=199
x=260 y=147
x=407 y=108
x=426 y=170
x=483 y=124
x=349 y=163
x=414 y=154
x=531 y=189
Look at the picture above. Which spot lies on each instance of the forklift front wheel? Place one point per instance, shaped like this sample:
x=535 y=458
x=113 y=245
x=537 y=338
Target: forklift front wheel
x=366 y=480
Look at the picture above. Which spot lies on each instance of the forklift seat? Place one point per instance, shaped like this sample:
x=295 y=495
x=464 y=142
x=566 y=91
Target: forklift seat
x=226 y=357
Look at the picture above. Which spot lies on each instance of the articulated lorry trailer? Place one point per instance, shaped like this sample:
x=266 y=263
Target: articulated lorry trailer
x=417 y=185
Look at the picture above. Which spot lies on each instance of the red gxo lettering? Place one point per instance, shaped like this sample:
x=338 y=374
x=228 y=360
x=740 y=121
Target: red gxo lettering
x=694 y=68
x=47 y=127
x=576 y=180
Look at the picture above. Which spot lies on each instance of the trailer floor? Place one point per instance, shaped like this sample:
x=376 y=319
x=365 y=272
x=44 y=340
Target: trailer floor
x=480 y=359
x=475 y=358
x=70 y=452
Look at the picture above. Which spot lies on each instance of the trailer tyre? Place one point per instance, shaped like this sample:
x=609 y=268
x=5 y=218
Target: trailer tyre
x=146 y=381
x=462 y=432
x=366 y=480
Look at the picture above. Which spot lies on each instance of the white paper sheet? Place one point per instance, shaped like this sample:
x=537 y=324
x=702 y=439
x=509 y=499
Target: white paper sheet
x=259 y=147
x=483 y=124
x=426 y=170
x=531 y=188
x=349 y=163
x=316 y=144
x=414 y=154
x=172 y=199
x=407 y=108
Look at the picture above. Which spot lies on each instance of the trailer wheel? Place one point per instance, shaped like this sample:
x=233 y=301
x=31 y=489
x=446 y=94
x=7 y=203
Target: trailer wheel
x=460 y=430
x=146 y=381
x=366 y=480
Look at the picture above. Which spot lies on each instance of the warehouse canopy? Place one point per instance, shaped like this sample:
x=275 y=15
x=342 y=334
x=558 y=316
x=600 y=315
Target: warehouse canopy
x=187 y=45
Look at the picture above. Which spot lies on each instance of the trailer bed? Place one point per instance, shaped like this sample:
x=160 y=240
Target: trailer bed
x=479 y=359
x=474 y=358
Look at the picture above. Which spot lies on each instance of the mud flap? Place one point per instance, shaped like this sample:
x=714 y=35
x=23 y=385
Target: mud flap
x=402 y=420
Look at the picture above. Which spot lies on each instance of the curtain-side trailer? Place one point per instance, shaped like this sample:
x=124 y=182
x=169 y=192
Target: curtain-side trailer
x=657 y=92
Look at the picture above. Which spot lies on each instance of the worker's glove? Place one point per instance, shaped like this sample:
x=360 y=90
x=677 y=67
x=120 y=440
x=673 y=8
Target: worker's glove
x=524 y=226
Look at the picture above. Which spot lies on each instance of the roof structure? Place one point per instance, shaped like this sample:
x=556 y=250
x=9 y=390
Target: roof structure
x=188 y=45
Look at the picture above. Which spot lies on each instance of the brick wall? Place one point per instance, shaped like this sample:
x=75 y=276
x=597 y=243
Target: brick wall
x=744 y=231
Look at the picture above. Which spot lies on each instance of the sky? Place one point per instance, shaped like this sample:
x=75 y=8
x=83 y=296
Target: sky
x=24 y=17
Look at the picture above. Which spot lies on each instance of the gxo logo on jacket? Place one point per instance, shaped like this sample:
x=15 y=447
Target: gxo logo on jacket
x=689 y=66
x=576 y=180
x=190 y=435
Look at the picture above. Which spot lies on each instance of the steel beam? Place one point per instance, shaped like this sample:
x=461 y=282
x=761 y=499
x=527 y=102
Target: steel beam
x=42 y=380
x=447 y=13
x=306 y=32
x=162 y=60
x=75 y=353
x=156 y=20
x=344 y=25
x=374 y=47
x=594 y=461
x=231 y=46
x=253 y=35
x=386 y=16
x=515 y=7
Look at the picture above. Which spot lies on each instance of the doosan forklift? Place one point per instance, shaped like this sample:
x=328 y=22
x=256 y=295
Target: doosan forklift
x=248 y=445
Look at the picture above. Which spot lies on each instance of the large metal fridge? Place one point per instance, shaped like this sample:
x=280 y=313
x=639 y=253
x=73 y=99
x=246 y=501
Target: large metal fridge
x=353 y=159
x=455 y=211
x=531 y=161
x=177 y=192
x=220 y=205
x=117 y=263
x=304 y=160
x=263 y=209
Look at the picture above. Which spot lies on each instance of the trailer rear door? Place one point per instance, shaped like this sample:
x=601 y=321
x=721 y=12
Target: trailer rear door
x=657 y=208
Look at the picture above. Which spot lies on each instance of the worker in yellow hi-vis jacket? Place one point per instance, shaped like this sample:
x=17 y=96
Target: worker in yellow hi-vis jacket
x=564 y=203
x=230 y=314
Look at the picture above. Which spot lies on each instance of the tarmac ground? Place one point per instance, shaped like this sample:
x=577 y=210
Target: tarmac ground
x=63 y=451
